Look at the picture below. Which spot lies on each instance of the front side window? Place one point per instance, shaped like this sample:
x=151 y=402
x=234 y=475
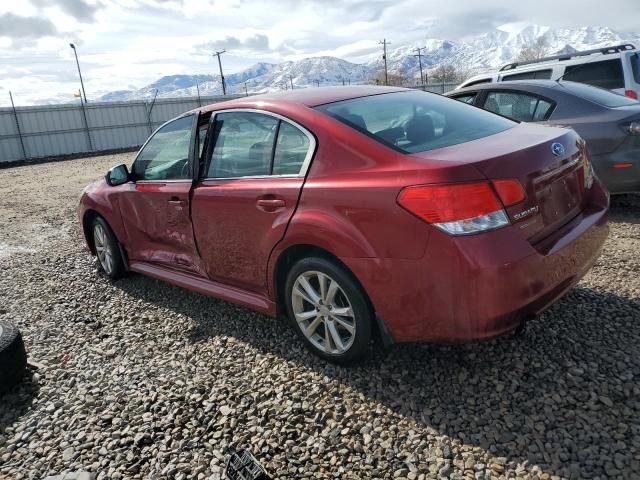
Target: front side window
x=414 y=121
x=519 y=106
x=166 y=154
x=605 y=74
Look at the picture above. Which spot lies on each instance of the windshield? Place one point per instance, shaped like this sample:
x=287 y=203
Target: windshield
x=414 y=121
x=601 y=96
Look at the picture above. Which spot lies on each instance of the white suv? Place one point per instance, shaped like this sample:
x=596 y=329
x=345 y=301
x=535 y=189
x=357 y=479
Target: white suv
x=616 y=68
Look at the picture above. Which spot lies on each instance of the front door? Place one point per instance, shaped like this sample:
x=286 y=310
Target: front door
x=242 y=206
x=155 y=209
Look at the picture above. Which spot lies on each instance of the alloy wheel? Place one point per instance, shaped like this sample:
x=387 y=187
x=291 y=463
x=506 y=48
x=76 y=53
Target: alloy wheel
x=323 y=312
x=103 y=248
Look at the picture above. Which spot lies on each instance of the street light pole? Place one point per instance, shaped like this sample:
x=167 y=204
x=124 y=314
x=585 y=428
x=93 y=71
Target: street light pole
x=224 y=87
x=79 y=73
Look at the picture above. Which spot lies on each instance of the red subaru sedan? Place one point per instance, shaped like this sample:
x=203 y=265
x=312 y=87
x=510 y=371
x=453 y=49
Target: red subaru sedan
x=359 y=212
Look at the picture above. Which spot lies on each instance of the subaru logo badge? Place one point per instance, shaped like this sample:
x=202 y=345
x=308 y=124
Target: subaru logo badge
x=557 y=149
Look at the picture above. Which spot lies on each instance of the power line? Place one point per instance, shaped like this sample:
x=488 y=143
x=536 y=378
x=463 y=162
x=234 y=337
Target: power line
x=384 y=44
x=420 y=55
x=217 y=54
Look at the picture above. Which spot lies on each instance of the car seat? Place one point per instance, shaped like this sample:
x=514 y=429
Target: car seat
x=420 y=130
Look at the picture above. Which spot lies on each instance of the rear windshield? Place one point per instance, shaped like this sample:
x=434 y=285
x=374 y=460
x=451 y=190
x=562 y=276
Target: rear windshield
x=416 y=121
x=600 y=96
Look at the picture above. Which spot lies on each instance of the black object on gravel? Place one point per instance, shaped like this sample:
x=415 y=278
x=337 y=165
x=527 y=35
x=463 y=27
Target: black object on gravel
x=13 y=357
x=243 y=466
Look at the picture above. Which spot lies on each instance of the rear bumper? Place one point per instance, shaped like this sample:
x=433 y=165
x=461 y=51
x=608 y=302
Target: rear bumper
x=477 y=287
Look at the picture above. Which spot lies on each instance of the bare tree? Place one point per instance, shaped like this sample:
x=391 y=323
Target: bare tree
x=444 y=73
x=536 y=50
x=397 y=80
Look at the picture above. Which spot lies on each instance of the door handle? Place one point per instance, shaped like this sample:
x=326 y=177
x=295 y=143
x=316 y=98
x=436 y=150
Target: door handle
x=176 y=202
x=270 y=204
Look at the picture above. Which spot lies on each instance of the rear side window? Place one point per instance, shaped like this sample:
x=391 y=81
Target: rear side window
x=635 y=66
x=416 y=121
x=244 y=145
x=605 y=74
x=531 y=75
x=292 y=147
x=600 y=96
x=519 y=106
x=468 y=98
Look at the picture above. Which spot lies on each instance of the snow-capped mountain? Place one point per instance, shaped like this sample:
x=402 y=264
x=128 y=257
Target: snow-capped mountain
x=493 y=49
x=471 y=55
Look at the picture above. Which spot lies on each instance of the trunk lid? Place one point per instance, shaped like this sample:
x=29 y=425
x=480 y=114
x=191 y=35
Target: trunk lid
x=549 y=162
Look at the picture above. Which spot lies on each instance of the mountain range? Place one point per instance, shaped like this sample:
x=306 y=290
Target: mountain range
x=469 y=56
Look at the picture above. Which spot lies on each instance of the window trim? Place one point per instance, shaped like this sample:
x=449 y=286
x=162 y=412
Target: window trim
x=488 y=92
x=194 y=124
x=304 y=168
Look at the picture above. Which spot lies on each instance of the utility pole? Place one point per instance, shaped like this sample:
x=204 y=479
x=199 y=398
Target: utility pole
x=224 y=87
x=419 y=55
x=291 y=80
x=384 y=44
x=79 y=73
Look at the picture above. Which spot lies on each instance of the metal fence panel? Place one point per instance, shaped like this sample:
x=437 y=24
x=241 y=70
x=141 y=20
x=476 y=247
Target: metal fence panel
x=58 y=130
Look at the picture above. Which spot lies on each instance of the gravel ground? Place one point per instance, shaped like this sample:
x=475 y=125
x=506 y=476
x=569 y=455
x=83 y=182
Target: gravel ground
x=140 y=379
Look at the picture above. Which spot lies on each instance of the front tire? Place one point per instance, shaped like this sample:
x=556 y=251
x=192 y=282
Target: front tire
x=13 y=357
x=329 y=310
x=107 y=249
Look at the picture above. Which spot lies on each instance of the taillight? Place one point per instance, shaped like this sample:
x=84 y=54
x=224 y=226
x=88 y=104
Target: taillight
x=586 y=165
x=509 y=191
x=631 y=94
x=464 y=208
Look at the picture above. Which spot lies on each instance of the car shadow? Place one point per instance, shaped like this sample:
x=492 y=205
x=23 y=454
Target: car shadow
x=568 y=381
x=18 y=400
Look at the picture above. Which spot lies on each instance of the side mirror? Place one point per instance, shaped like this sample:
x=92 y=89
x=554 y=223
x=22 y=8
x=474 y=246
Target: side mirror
x=117 y=175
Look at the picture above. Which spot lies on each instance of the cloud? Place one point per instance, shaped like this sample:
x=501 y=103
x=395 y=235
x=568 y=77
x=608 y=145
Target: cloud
x=16 y=27
x=256 y=43
x=81 y=10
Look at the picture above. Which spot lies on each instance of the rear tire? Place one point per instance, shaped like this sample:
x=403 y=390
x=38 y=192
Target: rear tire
x=13 y=357
x=107 y=249
x=329 y=310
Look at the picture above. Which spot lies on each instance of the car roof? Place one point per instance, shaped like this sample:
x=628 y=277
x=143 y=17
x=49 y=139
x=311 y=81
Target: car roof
x=309 y=97
x=506 y=85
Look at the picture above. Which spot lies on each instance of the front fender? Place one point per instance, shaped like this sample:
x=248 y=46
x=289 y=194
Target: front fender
x=103 y=200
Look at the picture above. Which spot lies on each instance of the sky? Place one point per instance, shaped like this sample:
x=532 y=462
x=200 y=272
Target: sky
x=125 y=44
